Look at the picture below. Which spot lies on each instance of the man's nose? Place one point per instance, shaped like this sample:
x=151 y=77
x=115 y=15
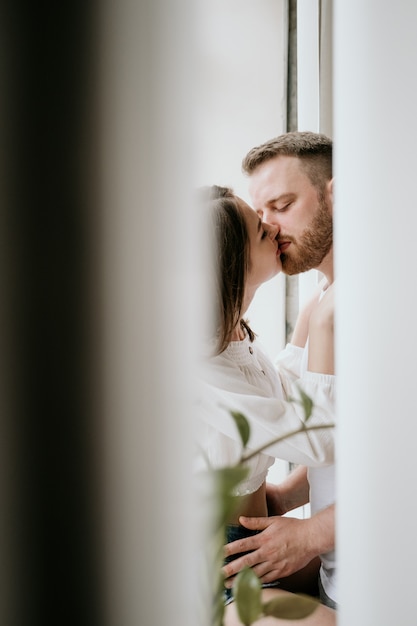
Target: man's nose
x=270 y=218
x=272 y=230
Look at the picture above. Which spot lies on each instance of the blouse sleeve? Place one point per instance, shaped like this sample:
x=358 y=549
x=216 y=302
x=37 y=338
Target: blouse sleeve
x=288 y=364
x=289 y=360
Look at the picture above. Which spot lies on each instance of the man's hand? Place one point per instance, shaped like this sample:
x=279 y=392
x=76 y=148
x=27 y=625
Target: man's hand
x=280 y=550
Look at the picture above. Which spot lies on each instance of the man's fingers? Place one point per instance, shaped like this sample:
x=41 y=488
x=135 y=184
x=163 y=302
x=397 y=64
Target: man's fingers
x=263 y=572
x=229 y=582
x=255 y=523
x=234 y=567
x=241 y=545
x=270 y=577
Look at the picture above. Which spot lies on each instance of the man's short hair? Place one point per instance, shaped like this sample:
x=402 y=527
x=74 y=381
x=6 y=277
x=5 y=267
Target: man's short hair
x=314 y=150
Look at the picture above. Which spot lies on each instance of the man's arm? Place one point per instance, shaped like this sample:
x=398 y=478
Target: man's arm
x=284 y=546
x=300 y=333
x=321 y=330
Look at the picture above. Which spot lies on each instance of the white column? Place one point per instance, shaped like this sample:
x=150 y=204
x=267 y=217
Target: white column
x=375 y=132
x=149 y=296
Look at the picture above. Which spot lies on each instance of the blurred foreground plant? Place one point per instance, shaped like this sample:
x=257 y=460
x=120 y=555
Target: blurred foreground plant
x=247 y=592
x=247 y=586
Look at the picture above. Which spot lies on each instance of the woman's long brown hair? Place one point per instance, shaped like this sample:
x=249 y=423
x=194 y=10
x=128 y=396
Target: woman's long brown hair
x=231 y=259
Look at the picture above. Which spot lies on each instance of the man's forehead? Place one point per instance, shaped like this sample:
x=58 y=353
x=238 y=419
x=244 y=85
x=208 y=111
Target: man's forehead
x=274 y=178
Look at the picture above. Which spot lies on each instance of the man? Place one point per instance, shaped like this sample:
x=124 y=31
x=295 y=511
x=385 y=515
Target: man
x=291 y=187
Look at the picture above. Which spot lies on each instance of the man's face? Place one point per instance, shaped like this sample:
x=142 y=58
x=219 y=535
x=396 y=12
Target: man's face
x=283 y=196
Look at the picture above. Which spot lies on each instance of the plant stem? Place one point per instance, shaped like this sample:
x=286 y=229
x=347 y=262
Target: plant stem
x=302 y=429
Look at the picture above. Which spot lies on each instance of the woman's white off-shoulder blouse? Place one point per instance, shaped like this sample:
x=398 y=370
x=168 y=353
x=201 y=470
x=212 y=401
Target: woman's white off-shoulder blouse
x=244 y=379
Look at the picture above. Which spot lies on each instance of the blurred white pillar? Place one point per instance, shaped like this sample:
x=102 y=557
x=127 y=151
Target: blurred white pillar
x=375 y=132
x=149 y=297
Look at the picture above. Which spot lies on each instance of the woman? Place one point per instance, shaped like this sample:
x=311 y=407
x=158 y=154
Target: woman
x=237 y=374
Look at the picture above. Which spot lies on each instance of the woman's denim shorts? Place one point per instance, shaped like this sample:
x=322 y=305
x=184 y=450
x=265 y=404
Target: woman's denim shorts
x=234 y=532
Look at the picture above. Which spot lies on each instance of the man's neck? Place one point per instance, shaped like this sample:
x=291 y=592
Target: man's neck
x=326 y=268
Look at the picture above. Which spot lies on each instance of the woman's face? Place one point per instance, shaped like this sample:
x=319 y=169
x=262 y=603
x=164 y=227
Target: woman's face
x=265 y=261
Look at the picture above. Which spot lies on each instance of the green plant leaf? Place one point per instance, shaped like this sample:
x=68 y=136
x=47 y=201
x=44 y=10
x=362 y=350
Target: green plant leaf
x=296 y=606
x=247 y=595
x=307 y=403
x=226 y=479
x=242 y=426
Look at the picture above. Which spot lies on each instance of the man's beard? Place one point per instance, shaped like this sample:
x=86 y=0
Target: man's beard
x=315 y=242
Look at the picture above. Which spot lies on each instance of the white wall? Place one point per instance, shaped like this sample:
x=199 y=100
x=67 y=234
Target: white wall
x=241 y=102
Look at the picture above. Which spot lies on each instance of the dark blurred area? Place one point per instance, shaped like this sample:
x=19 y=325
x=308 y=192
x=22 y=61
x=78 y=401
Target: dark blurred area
x=50 y=571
